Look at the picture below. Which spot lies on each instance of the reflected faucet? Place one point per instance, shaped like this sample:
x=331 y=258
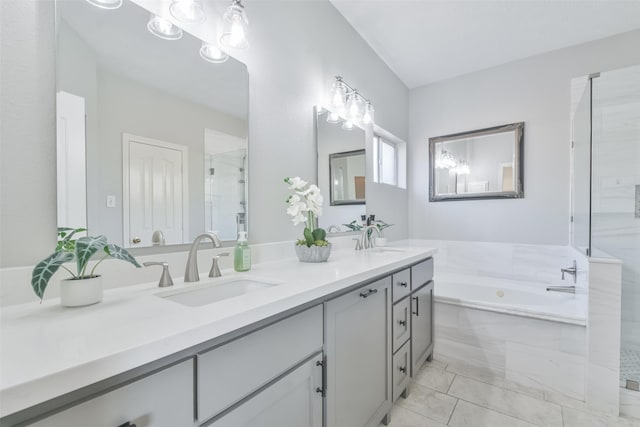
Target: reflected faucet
x=191 y=271
x=365 y=238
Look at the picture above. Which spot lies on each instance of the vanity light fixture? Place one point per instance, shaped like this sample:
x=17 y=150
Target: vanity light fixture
x=187 y=11
x=235 y=27
x=348 y=103
x=162 y=28
x=333 y=117
x=212 y=53
x=106 y=4
x=347 y=125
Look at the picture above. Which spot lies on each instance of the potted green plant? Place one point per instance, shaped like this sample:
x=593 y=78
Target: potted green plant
x=84 y=287
x=381 y=226
x=305 y=206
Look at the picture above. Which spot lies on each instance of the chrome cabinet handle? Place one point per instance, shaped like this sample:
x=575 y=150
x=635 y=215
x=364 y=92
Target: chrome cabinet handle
x=417 y=312
x=368 y=293
x=402 y=322
x=403 y=369
x=403 y=284
x=127 y=424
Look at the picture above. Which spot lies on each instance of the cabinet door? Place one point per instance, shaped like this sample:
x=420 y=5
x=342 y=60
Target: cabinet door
x=293 y=400
x=358 y=350
x=421 y=326
x=164 y=399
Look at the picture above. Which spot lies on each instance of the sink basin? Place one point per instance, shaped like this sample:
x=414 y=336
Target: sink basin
x=384 y=249
x=199 y=295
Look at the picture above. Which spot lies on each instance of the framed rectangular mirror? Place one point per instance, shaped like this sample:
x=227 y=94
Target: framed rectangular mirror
x=347 y=178
x=480 y=164
x=152 y=138
x=340 y=171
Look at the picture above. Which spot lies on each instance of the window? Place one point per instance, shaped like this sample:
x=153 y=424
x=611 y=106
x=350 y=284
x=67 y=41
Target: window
x=389 y=160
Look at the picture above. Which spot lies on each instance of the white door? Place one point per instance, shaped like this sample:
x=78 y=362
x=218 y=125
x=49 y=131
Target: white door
x=155 y=195
x=71 y=161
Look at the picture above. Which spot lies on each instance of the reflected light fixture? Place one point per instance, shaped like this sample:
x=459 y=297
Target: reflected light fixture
x=212 y=53
x=349 y=105
x=162 y=28
x=235 y=27
x=106 y=4
x=347 y=125
x=187 y=11
x=446 y=160
x=463 y=168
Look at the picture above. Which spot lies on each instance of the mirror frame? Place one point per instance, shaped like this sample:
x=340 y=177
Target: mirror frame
x=518 y=150
x=332 y=156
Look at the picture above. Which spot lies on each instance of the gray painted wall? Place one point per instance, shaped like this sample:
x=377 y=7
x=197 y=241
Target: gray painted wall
x=535 y=90
x=297 y=48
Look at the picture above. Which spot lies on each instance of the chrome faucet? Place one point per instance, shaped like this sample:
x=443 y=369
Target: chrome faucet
x=365 y=238
x=191 y=271
x=573 y=270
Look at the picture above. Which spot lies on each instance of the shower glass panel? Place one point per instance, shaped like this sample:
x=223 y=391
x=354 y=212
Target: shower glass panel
x=615 y=215
x=581 y=164
x=225 y=193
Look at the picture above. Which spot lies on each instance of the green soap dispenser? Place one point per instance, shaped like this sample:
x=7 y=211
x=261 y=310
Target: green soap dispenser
x=242 y=253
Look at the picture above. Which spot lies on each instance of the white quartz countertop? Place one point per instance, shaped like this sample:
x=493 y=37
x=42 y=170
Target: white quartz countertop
x=48 y=350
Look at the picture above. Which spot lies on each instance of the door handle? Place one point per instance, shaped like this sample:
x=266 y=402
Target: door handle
x=136 y=240
x=417 y=312
x=368 y=293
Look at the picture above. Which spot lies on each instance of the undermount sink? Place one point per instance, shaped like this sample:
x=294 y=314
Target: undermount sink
x=384 y=249
x=199 y=295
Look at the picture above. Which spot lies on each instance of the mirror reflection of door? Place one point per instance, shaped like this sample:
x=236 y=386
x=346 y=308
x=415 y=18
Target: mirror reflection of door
x=506 y=174
x=155 y=196
x=347 y=174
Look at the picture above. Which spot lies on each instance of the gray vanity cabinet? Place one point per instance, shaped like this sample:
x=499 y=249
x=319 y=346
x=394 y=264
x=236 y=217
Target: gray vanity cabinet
x=358 y=356
x=164 y=399
x=421 y=326
x=293 y=400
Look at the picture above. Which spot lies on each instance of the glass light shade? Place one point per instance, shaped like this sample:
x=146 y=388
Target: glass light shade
x=355 y=107
x=164 y=29
x=235 y=27
x=188 y=11
x=106 y=4
x=212 y=53
x=367 y=117
x=347 y=125
x=333 y=117
x=463 y=168
x=338 y=101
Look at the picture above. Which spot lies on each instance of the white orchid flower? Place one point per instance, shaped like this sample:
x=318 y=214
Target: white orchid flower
x=313 y=189
x=296 y=183
x=299 y=219
x=296 y=206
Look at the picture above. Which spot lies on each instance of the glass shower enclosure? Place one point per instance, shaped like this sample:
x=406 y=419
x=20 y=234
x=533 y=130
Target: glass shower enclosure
x=605 y=195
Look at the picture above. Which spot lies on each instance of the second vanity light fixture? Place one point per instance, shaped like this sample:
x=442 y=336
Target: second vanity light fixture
x=349 y=106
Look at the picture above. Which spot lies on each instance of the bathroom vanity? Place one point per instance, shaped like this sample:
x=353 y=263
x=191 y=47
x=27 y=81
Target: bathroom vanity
x=318 y=348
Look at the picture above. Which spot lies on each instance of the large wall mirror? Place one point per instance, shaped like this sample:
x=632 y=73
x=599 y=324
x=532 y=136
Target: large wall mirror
x=152 y=139
x=481 y=164
x=341 y=171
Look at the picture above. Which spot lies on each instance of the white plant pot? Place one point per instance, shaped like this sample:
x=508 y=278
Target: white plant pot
x=313 y=253
x=81 y=292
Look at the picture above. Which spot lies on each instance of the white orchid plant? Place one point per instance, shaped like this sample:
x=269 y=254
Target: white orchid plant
x=305 y=206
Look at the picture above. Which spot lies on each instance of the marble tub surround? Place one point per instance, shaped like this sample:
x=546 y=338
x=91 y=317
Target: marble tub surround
x=474 y=397
x=133 y=326
x=533 y=353
x=513 y=261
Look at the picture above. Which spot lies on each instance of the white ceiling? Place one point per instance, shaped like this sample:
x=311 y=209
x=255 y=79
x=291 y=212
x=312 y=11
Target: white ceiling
x=426 y=41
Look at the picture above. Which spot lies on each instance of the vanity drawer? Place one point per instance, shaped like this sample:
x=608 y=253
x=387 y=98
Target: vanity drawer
x=227 y=374
x=421 y=273
x=401 y=323
x=400 y=376
x=401 y=284
x=164 y=399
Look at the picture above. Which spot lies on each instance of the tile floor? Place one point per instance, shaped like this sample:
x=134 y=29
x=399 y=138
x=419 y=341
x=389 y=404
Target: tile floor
x=447 y=395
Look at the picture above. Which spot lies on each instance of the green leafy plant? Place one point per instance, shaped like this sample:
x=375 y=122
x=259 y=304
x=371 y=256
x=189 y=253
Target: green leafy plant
x=305 y=206
x=353 y=226
x=81 y=250
x=381 y=225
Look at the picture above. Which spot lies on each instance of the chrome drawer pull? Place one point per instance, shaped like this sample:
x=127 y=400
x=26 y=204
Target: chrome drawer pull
x=403 y=369
x=403 y=284
x=369 y=293
x=402 y=322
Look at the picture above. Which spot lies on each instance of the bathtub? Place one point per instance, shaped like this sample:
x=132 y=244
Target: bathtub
x=516 y=297
x=514 y=329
